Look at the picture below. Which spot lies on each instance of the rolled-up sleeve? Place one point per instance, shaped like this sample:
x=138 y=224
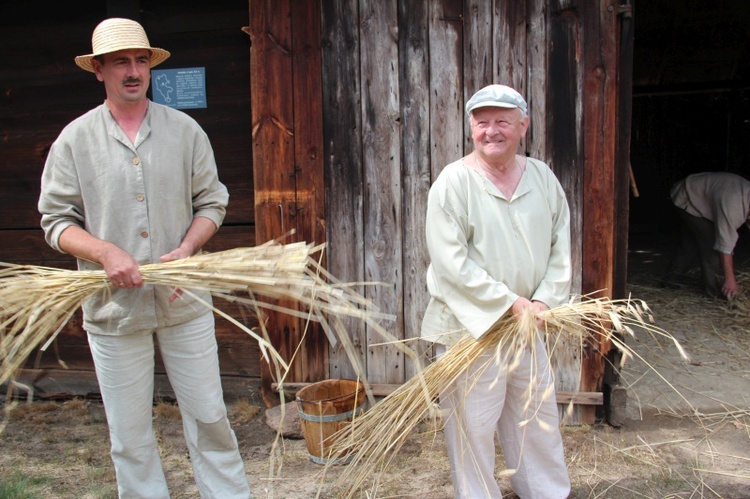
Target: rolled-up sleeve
x=60 y=203
x=210 y=197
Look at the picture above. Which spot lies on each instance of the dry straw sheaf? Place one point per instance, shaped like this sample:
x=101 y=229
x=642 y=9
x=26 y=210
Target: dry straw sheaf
x=372 y=440
x=37 y=302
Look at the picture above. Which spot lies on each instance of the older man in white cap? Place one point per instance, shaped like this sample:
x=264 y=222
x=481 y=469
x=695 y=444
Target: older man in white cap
x=129 y=183
x=498 y=234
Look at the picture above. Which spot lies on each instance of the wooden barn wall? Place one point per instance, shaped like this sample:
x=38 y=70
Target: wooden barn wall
x=396 y=75
x=43 y=91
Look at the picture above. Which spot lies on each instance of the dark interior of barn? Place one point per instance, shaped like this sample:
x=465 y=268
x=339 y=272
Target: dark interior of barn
x=691 y=113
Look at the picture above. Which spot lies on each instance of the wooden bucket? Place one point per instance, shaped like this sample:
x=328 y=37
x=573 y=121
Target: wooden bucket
x=325 y=408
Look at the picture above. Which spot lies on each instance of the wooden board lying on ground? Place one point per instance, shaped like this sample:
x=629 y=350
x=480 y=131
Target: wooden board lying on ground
x=383 y=390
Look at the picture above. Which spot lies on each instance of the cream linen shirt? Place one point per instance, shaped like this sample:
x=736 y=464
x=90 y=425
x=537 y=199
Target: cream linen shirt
x=487 y=250
x=142 y=197
x=721 y=197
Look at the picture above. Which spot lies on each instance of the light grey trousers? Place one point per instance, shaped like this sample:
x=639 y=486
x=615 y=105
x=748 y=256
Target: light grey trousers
x=494 y=397
x=125 y=370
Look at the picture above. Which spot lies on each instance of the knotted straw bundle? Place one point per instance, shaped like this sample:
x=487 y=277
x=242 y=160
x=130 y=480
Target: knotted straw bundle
x=373 y=439
x=37 y=302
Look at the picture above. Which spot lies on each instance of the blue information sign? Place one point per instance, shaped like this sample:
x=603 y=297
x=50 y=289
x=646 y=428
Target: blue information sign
x=179 y=88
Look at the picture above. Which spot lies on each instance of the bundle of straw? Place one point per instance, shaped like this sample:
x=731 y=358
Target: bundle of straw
x=37 y=302
x=373 y=439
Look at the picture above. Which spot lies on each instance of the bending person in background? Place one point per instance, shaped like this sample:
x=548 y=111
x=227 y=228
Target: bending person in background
x=711 y=206
x=129 y=183
x=498 y=235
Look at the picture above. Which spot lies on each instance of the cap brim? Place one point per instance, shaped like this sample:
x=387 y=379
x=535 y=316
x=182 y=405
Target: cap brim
x=505 y=105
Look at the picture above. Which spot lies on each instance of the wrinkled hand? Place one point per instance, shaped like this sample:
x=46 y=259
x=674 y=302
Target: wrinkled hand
x=537 y=307
x=121 y=269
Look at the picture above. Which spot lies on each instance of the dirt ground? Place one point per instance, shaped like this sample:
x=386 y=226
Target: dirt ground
x=686 y=435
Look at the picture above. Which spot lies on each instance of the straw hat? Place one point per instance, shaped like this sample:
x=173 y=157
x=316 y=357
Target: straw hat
x=116 y=34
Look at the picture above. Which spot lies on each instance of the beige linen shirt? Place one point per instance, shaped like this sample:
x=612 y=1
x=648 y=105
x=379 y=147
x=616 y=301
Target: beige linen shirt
x=721 y=197
x=487 y=250
x=142 y=197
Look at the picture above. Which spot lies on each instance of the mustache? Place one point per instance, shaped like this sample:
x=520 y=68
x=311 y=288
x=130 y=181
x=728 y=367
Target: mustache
x=131 y=81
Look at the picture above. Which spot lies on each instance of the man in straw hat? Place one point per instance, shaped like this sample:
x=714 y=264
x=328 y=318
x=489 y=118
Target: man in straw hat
x=498 y=234
x=132 y=182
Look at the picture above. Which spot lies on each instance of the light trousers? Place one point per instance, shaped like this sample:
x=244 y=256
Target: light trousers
x=491 y=397
x=125 y=371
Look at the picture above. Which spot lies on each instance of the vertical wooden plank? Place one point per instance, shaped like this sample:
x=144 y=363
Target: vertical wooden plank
x=509 y=48
x=273 y=154
x=309 y=189
x=415 y=120
x=308 y=122
x=381 y=157
x=599 y=58
x=561 y=124
x=478 y=46
x=272 y=117
x=537 y=47
x=478 y=54
x=446 y=92
x=600 y=126
x=446 y=84
x=622 y=166
x=611 y=381
x=344 y=186
x=536 y=78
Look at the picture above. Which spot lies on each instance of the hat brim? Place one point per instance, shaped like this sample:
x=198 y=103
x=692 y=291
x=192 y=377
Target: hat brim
x=157 y=57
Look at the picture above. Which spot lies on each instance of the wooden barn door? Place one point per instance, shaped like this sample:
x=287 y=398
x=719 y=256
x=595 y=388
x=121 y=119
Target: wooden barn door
x=285 y=88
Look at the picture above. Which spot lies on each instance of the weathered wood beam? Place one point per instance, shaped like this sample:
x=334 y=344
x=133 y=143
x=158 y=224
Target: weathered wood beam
x=288 y=193
x=343 y=166
x=599 y=60
x=415 y=166
x=381 y=158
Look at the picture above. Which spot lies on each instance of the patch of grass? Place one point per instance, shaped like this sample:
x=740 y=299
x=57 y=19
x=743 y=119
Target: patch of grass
x=19 y=486
x=36 y=412
x=242 y=412
x=167 y=410
x=76 y=407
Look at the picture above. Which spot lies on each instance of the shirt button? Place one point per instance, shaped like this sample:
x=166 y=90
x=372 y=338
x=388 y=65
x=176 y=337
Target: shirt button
x=139 y=197
x=136 y=161
x=144 y=234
